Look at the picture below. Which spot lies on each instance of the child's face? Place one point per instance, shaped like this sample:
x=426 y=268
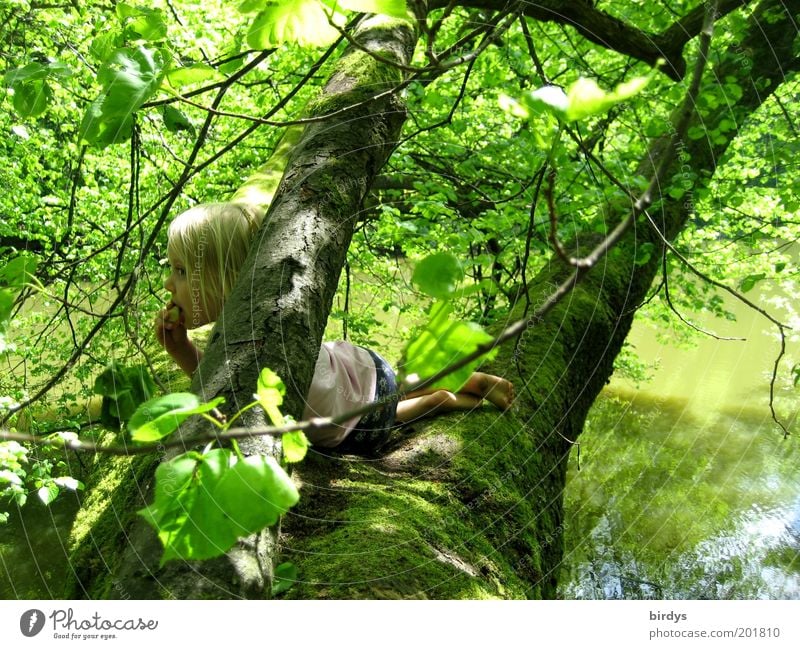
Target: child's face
x=185 y=292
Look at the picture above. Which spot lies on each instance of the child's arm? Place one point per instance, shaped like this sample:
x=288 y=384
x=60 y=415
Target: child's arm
x=171 y=333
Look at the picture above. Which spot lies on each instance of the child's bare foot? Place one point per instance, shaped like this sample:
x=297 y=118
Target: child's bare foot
x=494 y=389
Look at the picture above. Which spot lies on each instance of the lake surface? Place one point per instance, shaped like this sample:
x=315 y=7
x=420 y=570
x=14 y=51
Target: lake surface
x=686 y=487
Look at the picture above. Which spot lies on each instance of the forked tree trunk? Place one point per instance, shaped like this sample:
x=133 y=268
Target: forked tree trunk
x=469 y=505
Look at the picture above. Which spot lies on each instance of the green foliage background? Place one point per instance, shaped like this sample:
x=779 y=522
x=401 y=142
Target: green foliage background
x=463 y=179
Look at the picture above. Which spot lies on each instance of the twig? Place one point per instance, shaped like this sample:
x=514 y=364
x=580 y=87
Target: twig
x=433 y=32
x=538 y=178
x=781 y=327
x=532 y=50
x=668 y=298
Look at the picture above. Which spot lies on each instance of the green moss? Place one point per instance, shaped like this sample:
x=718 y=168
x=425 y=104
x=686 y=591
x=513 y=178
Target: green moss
x=441 y=516
x=358 y=77
x=99 y=528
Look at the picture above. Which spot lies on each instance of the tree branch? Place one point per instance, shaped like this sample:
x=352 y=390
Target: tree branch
x=613 y=33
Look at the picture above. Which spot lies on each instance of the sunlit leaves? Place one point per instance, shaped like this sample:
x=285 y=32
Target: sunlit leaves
x=204 y=503
x=438 y=275
x=583 y=98
x=18 y=271
x=295 y=446
x=443 y=341
x=307 y=22
x=32 y=92
x=192 y=74
x=586 y=98
x=47 y=493
x=304 y=22
x=128 y=79
x=141 y=23
x=14 y=274
x=396 y=8
x=269 y=393
x=51 y=487
x=161 y=416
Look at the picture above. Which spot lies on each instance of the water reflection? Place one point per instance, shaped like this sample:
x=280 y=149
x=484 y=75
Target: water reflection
x=687 y=488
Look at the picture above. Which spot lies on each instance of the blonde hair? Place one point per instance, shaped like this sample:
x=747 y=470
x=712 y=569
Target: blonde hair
x=211 y=240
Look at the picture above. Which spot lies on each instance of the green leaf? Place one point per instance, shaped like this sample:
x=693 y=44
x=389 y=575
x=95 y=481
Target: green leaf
x=303 y=22
x=204 y=504
x=25 y=74
x=395 y=8
x=123 y=389
x=6 y=305
x=586 y=98
x=551 y=99
x=48 y=493
x=176 y=121
x=284 y=578
x=181 y=495
x=295 y=446
x=102 y=130
x=67 y=482
x=142 y=23
x=197 y=73
x=129 y=78
x=444 y=341
x=161 y=416
x=31 y=99
x=250 y=6
x=269 y=393
x=59 y=70
x=254 y=493
x=10 y=477
x=104 y=45
x=696 y=132
x=438 y=275
x=750 y=281
x=19 y=271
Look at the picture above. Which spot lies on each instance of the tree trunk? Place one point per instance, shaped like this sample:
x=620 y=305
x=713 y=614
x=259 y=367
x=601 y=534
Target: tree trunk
x=466 y=506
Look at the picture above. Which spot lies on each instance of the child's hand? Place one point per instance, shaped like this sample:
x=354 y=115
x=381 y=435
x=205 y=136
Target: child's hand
x=171 y=333
x=170 y=330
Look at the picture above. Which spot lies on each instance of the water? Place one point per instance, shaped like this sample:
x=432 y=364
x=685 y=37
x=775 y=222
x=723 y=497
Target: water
x=686 y=487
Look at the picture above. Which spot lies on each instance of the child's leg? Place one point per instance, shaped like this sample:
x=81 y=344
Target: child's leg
x=494 y=389
x=427 y=404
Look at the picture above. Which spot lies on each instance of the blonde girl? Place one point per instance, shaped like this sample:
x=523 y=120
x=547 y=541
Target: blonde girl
x=207 y=246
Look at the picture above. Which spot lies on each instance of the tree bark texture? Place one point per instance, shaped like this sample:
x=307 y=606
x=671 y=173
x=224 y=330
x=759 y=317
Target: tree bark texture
x=466 y=506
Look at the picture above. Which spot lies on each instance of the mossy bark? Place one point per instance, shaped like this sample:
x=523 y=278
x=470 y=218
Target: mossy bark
x=467 y=505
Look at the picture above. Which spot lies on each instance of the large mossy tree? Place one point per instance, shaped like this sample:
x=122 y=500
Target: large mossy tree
x=398 y=147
